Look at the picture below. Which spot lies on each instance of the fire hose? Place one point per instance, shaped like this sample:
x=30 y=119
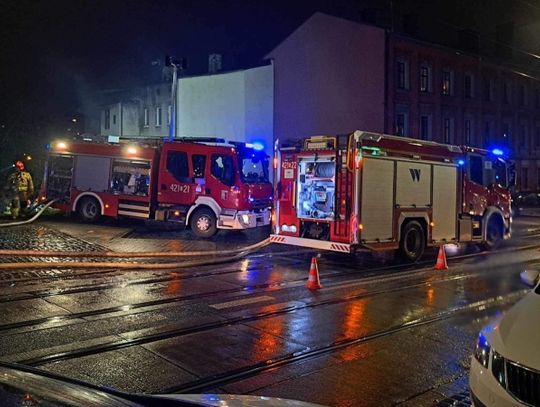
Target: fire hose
x=32 y=219
x=230 y=255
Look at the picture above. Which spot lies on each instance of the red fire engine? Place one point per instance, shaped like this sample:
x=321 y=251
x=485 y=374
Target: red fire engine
x=207 y=184
x=380 y=192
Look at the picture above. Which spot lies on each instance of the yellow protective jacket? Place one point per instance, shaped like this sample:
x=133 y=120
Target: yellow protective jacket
x=22 y=182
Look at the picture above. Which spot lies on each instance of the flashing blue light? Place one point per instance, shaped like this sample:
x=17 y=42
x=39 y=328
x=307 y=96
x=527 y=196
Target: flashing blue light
x=497 y=151
x=461 y=162
x=258 y=146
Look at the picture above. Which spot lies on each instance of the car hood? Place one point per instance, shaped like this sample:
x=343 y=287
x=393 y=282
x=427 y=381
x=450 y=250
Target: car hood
x=517 y=334
x=232 y=400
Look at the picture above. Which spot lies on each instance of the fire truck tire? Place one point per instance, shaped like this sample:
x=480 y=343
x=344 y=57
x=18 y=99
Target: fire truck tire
x=203 y=223
x=89 y=209
x=413 y=241
x=494 y=233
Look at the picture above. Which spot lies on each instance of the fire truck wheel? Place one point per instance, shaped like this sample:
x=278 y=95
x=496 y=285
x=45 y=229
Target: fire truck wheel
x=413 y=241
x=203 y=223
x=494 y=233
x=89 y=209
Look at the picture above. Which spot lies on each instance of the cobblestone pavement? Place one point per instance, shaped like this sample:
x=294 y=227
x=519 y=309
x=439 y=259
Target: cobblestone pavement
x=37 y=237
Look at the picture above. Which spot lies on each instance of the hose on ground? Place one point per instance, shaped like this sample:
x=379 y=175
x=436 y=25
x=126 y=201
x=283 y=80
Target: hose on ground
x=47 y=253
x=133 y=266
x=32 y=219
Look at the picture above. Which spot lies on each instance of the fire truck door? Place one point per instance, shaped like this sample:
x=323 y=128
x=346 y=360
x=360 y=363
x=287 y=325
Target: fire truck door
x=176 y=186
x=222 y=179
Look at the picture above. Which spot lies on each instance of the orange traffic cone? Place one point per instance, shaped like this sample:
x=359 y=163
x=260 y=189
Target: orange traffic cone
x=313 y=279
x=441 y=259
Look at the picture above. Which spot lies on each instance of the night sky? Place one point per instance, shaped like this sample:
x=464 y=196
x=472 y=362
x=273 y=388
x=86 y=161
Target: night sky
x=56 y=54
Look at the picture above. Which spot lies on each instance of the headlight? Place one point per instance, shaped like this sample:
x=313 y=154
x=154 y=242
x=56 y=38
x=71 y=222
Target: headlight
x=482 y=350
x=497 y=368
x=285 y=228
x=292 y=228
x=245 y=219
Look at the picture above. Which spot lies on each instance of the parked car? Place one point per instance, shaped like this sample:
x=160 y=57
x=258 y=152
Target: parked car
x=505 y=366
x=526 y=203
x=27 y=386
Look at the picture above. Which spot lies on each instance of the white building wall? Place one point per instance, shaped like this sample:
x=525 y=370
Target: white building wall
x=259 y=105
x=235 y=106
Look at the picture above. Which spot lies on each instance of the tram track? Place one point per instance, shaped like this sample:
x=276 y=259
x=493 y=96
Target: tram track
x=221 y=379
x=371 y=276
x=122 y=343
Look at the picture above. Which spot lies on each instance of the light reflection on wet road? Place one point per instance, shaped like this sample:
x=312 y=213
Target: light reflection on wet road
x=152 y=331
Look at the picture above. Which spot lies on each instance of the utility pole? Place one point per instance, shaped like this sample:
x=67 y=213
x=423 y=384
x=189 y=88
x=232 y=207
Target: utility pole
x=176 y=65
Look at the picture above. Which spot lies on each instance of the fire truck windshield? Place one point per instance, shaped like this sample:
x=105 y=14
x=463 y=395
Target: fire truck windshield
x=253 y=167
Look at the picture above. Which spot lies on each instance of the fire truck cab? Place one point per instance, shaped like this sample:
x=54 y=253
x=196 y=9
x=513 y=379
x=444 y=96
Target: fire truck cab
x=208 y=184
x=380 y=192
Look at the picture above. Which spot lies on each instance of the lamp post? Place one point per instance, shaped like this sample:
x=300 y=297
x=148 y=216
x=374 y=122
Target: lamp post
x=176 y=64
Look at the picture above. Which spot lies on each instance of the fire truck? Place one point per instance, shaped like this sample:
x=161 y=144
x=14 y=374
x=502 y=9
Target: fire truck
x=207 y=184
x=381 y=192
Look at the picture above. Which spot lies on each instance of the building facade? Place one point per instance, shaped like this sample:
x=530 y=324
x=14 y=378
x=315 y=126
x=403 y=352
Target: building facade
x=333 y=76
x=236 y=106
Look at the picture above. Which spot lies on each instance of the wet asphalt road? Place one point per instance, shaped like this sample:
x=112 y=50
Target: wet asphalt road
x=377 y=333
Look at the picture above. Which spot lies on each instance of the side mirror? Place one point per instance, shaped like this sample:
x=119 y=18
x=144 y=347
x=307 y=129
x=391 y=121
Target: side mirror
x=530 y=277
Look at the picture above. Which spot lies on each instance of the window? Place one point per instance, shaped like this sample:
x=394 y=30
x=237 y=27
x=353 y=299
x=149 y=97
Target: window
x=425 y=78
x=524 y=178
x=401 y=124
x=107 y=119
x=447 y=82
x=468 y=86
x=146 y=118
x=198 y=162
x=476 y=169
x=223 y=169
x=169 y=113
x=130 y=177
x=402 y=74
x=507 y=93
x=448 y=130
x=467 y=131
x=158 y=116
x=425 y=128
x=177 y=165
x=114 y=119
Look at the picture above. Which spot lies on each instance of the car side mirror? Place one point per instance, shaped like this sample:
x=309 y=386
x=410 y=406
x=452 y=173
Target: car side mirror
x=530 y=277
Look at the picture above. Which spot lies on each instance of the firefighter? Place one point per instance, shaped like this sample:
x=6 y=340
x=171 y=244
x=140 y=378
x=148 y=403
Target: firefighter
x=22 y=187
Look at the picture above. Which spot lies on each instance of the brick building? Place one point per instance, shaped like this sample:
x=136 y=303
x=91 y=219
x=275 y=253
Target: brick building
x=332 y=75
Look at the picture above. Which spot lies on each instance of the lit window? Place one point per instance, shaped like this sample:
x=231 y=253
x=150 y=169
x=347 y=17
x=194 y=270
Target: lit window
x=447 y=82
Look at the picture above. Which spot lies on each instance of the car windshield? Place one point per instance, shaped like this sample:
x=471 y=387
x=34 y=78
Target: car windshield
x=253 y=167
